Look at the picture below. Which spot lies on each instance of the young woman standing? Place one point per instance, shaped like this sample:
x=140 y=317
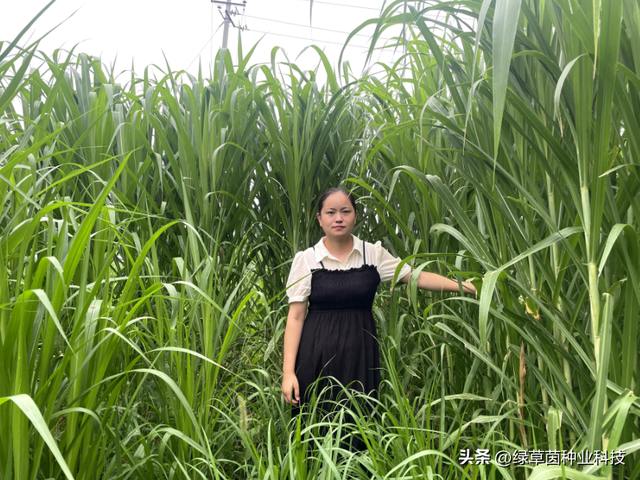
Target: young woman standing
x=338 y=278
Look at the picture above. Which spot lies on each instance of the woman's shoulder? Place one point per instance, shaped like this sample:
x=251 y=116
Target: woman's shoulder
x=377 y=252
x=376 y=245
x=304 y=255
x=308 y=251
x=373 y=247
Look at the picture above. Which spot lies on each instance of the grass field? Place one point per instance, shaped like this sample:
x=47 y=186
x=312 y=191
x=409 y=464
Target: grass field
x=147 y=226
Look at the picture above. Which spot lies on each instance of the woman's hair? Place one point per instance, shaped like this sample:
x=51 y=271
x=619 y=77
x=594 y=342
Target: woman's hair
x=333 y=190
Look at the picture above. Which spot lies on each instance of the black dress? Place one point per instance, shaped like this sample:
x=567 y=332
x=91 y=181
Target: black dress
x=339 y=335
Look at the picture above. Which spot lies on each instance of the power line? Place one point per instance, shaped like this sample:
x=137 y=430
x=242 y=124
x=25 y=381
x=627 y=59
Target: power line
x=205 y=46
x=342 y=5
x=305 y=38
x=315 y=28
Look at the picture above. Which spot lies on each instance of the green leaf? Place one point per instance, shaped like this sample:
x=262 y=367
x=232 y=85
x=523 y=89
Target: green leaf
x=30 y=409
x=603 y=350
x=505 y=25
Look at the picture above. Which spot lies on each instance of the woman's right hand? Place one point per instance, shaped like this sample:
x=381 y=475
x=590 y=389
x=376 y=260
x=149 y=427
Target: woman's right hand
x=289 y=384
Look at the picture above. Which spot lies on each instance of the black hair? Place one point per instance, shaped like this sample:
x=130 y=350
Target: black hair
x=333 y=190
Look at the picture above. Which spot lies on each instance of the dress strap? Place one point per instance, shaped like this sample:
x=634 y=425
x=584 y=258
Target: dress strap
x=314 y=249
x=364 y=255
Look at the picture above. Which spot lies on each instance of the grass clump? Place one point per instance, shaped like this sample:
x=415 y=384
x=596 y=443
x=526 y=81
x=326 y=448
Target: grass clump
x=146 y=230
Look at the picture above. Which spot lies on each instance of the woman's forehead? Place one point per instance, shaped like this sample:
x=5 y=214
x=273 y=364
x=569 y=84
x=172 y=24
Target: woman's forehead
x=337 y=200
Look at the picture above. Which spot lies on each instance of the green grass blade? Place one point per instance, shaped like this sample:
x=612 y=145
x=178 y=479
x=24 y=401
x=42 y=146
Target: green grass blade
x=26 y=404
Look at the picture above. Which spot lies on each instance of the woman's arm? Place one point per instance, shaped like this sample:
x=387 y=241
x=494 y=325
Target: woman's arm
x=292 y=333
x=437 y=283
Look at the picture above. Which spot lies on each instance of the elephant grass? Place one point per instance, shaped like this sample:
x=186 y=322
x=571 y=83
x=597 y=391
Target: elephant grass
x=148 y=228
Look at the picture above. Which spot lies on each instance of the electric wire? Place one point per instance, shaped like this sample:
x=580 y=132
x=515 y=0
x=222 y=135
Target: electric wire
x=243 y=15
x=205 y=46
x=243 y=21
x=313 y=28
x=342 y=5
x=305 y=38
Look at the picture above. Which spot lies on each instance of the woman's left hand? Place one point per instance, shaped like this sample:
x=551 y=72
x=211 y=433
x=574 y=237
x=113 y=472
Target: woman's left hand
x=468 y=287
x=437 y=283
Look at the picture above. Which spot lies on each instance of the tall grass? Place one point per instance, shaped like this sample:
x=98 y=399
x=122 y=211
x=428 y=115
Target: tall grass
x=148 y=226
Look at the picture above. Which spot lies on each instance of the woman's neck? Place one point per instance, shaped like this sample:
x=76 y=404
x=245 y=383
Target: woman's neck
x=339 y=247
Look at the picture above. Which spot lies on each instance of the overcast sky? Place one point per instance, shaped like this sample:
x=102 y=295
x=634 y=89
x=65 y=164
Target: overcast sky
x=187 y=32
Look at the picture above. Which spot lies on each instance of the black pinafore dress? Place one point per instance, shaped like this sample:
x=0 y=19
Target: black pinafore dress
x=339 y=335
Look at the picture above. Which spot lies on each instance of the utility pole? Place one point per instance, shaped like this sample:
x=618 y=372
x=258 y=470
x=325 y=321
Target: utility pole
x=227 y=17
x=227 y=20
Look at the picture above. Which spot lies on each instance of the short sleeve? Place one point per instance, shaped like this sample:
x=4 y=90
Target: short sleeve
x=387 y=264
x=299 y=282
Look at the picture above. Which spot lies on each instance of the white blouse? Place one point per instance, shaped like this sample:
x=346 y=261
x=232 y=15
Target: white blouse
x=299 y=283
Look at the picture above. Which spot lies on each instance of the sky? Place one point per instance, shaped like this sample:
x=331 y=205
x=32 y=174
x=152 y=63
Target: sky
x=188 y=33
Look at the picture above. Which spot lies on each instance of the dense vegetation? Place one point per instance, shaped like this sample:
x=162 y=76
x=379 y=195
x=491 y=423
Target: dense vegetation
x=147 y=227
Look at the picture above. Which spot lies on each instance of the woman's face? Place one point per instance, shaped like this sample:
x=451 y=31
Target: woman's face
x=337 y=217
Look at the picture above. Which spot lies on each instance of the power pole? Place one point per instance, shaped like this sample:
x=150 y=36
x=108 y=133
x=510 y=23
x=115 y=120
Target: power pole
x=227 y=17
x=227 y=20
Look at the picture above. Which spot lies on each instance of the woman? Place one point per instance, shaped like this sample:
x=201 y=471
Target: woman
x=338 y=278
